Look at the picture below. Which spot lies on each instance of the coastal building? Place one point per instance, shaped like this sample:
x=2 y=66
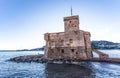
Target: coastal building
x=72 y=44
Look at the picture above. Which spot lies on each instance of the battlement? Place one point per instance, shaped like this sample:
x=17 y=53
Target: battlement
x=71 y=23
x=76 y=17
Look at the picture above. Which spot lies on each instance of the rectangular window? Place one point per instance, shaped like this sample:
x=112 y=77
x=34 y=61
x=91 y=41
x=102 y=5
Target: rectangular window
x=62 y=50
x=72 y=50
x=76 y=52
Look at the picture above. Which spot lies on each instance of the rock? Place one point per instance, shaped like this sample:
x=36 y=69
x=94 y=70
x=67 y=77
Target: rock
x=29 y=58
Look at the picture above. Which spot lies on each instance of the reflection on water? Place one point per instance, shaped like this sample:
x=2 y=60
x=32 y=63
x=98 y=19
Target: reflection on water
x=67 y=71
x=106 y=70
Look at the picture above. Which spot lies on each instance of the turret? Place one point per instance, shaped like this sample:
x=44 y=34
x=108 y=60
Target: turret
x=71 y=23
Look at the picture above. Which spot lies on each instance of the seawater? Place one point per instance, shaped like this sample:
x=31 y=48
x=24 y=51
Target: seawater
x=9 y=69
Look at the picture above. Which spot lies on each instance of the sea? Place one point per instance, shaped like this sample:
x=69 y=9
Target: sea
x=10 y=69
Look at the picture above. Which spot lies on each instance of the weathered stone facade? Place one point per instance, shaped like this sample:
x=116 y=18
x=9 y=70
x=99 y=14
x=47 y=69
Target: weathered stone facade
x=73 y=44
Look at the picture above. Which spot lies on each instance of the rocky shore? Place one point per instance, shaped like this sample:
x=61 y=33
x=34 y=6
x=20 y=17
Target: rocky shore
x=41 y=59
x=29 y=58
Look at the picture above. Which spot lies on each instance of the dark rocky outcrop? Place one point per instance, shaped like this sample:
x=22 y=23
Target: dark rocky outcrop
x=30 y=58
x=41 y=59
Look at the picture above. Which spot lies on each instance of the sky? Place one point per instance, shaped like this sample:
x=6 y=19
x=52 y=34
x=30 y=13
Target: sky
x=23 y=23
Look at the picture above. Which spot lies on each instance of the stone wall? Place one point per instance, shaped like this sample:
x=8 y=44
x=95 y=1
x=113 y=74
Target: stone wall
x=73 y=44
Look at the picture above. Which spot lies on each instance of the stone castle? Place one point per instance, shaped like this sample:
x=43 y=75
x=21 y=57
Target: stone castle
x=72 y=44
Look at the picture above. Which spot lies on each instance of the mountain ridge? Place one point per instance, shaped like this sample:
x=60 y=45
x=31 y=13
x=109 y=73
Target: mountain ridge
x=101 y=44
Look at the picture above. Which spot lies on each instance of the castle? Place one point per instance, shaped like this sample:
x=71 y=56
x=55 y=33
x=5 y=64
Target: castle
x=72 y=44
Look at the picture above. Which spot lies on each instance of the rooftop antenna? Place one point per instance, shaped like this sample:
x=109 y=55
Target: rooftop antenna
x=71 y=11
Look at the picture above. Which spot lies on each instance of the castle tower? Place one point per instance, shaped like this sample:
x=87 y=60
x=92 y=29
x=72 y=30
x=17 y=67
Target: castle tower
x=71 y=23
x=73 y=44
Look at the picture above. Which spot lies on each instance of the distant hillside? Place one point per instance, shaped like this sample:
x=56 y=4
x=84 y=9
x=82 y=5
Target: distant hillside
x=35 y=49
x=38 y=49
x=105 y=45
x=95 y=44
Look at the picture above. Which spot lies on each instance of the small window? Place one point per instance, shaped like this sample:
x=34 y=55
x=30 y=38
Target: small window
x=62 y=51
x=68 y=44
x=71 y=40
x=72 y=50
x=76 y=52
x=76 y=32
